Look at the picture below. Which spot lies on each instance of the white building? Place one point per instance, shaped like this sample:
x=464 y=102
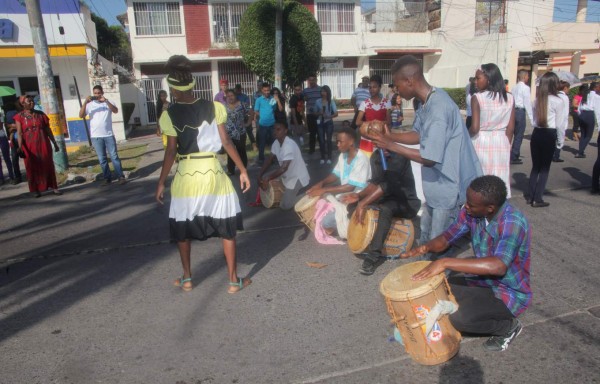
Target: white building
x=72 y=45
x=451 y=37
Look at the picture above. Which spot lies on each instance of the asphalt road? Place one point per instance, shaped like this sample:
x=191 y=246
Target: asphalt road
x=86 y=295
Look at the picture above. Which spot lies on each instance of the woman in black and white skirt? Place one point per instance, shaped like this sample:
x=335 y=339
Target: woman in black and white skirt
x=204 y=203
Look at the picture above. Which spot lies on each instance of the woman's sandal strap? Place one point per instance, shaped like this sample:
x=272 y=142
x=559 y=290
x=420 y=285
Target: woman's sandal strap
x=240 y=283
x=183 y=281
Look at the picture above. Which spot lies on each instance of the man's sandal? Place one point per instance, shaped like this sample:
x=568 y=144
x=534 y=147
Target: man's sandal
x=181 y=283
x=241 y=284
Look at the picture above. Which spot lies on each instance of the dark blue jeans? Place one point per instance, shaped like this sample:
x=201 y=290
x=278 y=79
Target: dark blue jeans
x=520 y=123
x=326 y=139
x=586 y=124
x=265 y=137
x=596 y=171
x=102 y=145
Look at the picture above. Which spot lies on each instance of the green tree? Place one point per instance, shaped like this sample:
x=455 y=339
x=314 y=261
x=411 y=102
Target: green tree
x=113 y=42
x=301 y=40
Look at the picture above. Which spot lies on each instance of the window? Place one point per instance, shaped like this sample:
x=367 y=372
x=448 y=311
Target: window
x=226 y=21
x=336 y=17
x=341 y=82
x=489 y=17
x=157 y=18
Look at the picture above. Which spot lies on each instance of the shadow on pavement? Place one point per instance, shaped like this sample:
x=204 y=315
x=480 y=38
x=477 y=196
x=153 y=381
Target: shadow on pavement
x=461 y=369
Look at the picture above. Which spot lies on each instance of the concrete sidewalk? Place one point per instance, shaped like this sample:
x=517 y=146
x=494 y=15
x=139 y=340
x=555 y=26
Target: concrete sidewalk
x=86 y=295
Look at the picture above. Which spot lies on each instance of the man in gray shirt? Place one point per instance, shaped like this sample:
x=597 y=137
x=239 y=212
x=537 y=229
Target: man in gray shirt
x=446 y=152
x=311 y=94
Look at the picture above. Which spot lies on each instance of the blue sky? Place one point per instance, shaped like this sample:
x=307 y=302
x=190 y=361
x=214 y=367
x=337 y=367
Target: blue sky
x=565 y=10
x=107 y=9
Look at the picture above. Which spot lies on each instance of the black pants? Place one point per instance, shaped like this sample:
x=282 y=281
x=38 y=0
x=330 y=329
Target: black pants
x=596 y=171
x=387 y=211
x=250 y=133
x=240 y=146
x=575 y=117
x=311 y=122
x=586 y=124
x=543 y=143
x=479 y=310
x=520 y=123
x=469 y=121
x=14 y=157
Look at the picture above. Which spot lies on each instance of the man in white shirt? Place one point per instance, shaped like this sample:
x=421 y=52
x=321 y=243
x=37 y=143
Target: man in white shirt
x=522 y=95
x=350 y=174
x=292 y=169
x=100 y=111
x=561 y=126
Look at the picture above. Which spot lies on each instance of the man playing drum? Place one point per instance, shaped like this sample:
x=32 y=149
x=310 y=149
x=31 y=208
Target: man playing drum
x=350 y=174
x=392 y=191
x=292 y=169
x=495 y=288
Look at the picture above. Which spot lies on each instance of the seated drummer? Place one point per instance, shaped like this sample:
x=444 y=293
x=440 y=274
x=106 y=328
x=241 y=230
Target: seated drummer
x=392 y=191
x=292 y=169
x=350 y=174
x=495 y=288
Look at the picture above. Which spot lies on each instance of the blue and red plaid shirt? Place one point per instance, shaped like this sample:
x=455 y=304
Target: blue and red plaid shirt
x=506 y=237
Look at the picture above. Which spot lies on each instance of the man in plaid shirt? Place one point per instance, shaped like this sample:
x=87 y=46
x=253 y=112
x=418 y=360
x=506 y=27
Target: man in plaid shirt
x=495 y=287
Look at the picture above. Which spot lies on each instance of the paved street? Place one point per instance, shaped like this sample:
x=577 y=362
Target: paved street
x=86 y=295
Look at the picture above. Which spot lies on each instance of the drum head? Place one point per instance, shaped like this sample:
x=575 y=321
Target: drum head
x=267 y=196
x=360 y=235
x=399 y=286
x=305 y=202
x=373 y=125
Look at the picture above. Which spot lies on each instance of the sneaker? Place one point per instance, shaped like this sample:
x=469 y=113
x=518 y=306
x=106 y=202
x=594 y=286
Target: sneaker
x=558 y=160
x=500 y=343
x=328 y=161
x=580 y=156
x=122 y=180
x=322 y=162
x=105 y=183
x=369 y=266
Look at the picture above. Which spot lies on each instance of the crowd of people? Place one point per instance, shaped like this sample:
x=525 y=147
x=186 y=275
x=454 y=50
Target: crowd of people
x=465 y=177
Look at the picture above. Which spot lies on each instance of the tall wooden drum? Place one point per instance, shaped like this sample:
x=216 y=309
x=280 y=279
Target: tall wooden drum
x=409 y=302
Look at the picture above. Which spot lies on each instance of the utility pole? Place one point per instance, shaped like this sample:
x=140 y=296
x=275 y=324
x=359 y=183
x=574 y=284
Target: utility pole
x=278 y=43
x=46 y=84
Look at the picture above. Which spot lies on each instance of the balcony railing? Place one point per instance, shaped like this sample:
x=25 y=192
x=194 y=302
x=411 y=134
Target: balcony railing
x=398 y=16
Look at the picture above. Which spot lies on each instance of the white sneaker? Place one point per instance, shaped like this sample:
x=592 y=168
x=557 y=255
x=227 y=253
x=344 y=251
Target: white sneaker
x=328 y=161
x=322 y=162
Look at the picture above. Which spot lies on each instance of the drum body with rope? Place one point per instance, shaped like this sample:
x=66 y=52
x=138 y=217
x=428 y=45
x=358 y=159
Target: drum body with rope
x=271 y=197
x=306 y=208
x=399 y=239
x=409 y=302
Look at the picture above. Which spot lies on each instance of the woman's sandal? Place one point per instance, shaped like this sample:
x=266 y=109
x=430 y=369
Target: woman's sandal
x=181 y=283
x=241 y=284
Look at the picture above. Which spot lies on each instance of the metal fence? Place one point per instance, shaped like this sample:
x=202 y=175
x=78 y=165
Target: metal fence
x=151 y=87
x=399 y=16
x=236 y=72
x=203 y=89
x=226 y=21
x=341 y=82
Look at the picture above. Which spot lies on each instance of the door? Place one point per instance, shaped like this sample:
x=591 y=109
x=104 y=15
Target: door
x=151 y=87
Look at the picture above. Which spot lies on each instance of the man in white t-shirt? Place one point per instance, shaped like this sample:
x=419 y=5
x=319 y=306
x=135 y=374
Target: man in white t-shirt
x=350 y=174
x=100 y=111
x=292 y=169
